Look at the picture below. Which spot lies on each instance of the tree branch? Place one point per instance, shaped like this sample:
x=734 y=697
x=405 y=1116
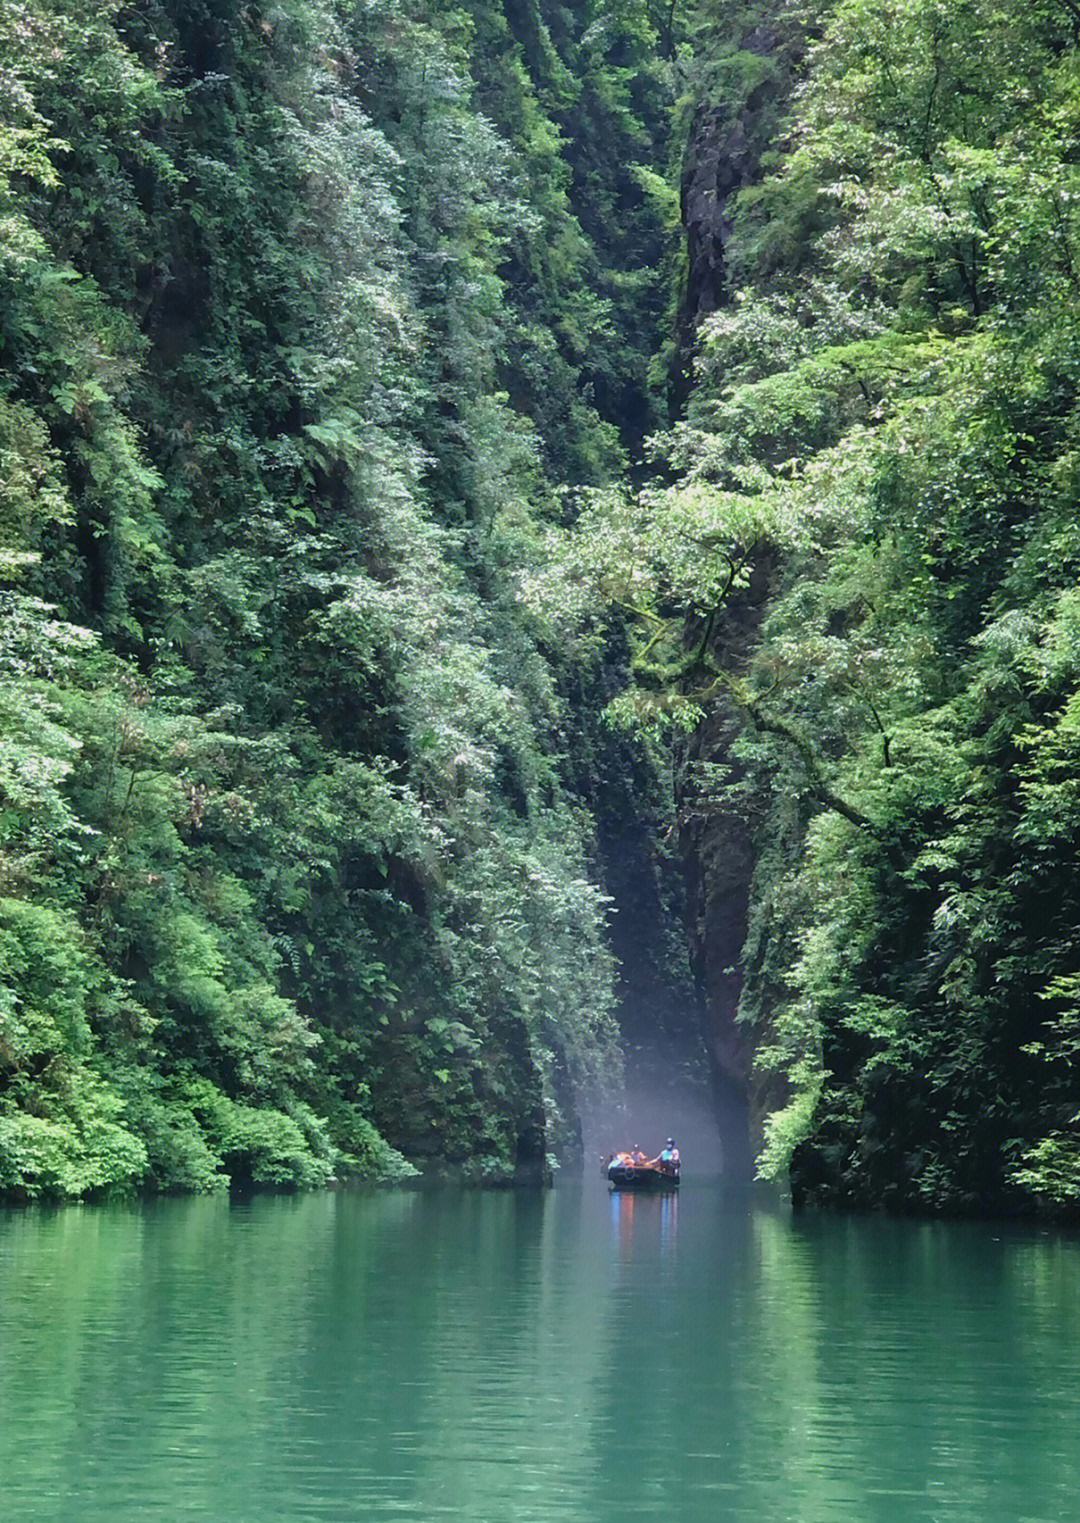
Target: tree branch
x=773 y=724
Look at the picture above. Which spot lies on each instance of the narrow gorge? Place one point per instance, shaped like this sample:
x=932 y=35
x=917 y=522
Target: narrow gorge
x=539 y=555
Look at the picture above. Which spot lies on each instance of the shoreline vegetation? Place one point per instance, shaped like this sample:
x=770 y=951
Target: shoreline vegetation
x=521 y=524
x=301 y=333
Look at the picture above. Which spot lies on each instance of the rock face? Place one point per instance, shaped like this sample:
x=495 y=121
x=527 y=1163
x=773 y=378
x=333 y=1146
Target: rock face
x=723 y=155
x=731 y=129
x=719 y=857
x=720 y=160
x=719 y=852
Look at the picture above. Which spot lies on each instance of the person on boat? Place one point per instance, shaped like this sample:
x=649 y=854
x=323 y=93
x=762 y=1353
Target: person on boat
x=637 y=1157
x=669 y=1159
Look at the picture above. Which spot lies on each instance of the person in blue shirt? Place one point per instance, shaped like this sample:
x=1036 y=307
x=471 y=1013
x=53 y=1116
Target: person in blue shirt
x=669 y=1158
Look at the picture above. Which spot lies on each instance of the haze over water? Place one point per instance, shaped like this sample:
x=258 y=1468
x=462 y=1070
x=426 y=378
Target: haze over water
x=533 y=1358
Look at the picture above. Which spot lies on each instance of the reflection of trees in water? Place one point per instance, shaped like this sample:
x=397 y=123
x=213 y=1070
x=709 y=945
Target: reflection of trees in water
x=167 y=1323
x=917 y=1371
x=517 y=1384
x=533 y=1358
x=399 y=1354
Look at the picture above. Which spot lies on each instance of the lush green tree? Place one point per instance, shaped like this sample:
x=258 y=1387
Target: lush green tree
x=305 y=310
x=879 y=460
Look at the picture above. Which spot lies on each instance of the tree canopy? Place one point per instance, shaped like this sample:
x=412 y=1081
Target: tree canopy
x=878 y=459
x=404 y=401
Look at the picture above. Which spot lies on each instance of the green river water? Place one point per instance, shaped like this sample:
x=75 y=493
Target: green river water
x=533 y=1358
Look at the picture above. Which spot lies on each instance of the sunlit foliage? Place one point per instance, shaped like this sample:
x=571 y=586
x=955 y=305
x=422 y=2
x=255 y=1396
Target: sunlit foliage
x=300 y=321
x=877 y=478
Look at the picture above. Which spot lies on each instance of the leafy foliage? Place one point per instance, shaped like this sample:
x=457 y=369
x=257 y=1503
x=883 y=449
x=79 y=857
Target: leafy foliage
x=303 y=308
x=880 y=458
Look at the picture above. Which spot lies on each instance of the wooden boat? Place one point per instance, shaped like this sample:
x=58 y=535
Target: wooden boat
x=624 y=1174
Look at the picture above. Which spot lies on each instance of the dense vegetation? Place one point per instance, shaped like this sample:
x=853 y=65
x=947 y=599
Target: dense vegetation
x=333 y=331
x=866 y=549
x=306 y=309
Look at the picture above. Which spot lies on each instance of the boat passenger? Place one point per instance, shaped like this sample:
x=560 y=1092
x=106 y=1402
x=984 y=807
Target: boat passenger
x=669 y=1158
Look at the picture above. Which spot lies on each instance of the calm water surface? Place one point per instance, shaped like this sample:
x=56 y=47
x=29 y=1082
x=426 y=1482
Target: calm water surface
x=529 y=1358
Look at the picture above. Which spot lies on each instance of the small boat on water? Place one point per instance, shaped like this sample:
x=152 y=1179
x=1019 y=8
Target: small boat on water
x=625 y=1172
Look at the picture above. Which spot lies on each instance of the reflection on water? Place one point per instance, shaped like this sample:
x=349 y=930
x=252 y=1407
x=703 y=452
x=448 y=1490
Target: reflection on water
x=657 y=1219
x=527 y=1358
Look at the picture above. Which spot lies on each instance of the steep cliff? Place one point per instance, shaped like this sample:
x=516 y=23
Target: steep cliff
x=308 y=309
x=740 y=79
x=853 y=588
x=743 y=71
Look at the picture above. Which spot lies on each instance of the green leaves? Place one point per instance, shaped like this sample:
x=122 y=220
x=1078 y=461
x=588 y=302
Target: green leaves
x=299 y=319
x=867 y=556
